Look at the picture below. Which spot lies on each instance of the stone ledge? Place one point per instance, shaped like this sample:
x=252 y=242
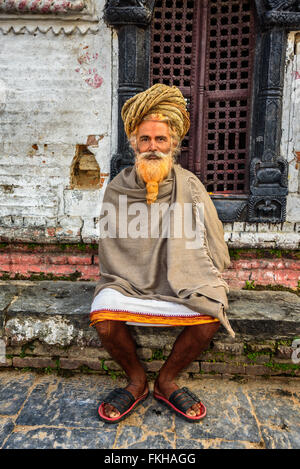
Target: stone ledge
x=57 y=313
x=45 y=324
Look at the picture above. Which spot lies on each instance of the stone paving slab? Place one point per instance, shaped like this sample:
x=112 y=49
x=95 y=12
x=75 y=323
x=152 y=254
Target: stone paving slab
x=50 y=411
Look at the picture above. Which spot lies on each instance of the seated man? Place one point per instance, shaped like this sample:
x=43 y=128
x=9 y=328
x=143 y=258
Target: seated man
x=156 y=277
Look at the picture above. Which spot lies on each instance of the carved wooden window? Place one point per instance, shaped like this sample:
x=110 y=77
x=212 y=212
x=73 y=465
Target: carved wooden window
x=206 y=48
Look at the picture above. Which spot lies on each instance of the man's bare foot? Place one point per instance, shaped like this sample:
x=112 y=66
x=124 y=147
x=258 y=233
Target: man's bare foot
x=137 y=390
x=165 y=389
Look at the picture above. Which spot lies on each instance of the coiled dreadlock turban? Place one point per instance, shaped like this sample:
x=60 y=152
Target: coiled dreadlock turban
x=159 y=99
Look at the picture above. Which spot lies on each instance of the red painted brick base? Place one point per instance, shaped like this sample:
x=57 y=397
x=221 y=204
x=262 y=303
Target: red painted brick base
x=80 y=262
x=262 y=271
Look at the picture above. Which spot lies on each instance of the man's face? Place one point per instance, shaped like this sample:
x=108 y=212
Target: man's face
x=153 y=155
x=153 y=136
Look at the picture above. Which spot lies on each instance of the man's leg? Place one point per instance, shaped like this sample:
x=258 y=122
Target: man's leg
x=187 y=347
x=118 y=342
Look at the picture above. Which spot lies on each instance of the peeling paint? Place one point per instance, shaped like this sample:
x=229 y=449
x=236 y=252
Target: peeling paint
x=89 y=74
x=42 y=120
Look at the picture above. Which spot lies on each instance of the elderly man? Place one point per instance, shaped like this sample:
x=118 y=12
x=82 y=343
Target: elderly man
x=150 y=279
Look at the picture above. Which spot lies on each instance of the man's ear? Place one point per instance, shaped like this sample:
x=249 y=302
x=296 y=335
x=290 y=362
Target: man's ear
x=175 y=144
x=132 y=142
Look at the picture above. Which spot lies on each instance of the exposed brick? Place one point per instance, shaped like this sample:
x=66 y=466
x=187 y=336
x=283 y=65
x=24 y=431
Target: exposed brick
x=259 y=370
x=255 y=264
x=25 y=260
x=154 y=366
x=248 y=254
x=236 y=348
x=37 y=349
x=73 y=364
x=271 y=371
x=242 y=265
x=78 y=260
x=292 y=265
x=244 y=275
x=13 y=350
x=34 y=362
x=112 y=365
x=230 y=274
x=289 y=276
x=273 y=265
x=268 y=275
x=194 y=367
x=267 y=346
x=144 y=353
x=208 y=376
x=59 y=259
x=210 y=355
x=7 y=363
x=69 y=363
x=258 y=276
x=88 y=272
x=28 y=269
x=258 y=360
x=284 y=351
x=235 y=283
x=17 y=258
x=222 y=368
x=4 y=258
x=91 y=353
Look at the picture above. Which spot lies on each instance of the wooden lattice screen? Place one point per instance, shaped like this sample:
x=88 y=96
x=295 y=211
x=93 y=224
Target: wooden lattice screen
x=206 y=48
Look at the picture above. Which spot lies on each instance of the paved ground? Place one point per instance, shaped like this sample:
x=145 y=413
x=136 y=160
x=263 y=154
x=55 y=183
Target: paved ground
x=50 y=411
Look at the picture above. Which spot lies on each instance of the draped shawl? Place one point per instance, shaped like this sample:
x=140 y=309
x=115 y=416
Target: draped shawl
x=164 y=268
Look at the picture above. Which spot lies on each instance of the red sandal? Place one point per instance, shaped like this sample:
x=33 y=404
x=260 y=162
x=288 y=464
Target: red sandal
x=180 y=401
x=123 y=401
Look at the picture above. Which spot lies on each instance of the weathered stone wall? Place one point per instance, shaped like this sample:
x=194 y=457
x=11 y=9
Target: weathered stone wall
x=46 y=325
x=57 y=86
x=240 y=359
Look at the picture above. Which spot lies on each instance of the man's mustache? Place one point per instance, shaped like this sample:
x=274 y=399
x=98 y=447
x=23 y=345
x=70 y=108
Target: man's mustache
x=153 y=154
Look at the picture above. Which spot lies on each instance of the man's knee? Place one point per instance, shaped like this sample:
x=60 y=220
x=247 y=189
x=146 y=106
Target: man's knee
x=104 y=328
x=207 y=331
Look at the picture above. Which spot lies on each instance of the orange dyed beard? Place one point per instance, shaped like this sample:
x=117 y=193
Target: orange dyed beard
x=153 y=171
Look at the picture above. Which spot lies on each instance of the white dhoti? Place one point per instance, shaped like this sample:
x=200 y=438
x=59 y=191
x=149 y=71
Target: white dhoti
x=110 y=304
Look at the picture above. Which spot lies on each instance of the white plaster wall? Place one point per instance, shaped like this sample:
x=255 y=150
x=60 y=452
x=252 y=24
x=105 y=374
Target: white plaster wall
x=290 y=142
x=55 y=91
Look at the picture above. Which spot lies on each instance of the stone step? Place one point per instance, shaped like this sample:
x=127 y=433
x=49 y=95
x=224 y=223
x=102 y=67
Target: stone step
x=57 y=313
x=54 y=316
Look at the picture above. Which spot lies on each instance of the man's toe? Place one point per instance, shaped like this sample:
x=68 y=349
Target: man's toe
x=110 y=411
x=194 y=410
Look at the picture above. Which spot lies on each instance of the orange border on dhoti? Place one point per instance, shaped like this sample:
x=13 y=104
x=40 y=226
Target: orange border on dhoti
x=127 y=316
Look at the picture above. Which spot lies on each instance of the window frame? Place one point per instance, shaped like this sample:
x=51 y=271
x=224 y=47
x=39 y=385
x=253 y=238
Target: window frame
x=268 y=171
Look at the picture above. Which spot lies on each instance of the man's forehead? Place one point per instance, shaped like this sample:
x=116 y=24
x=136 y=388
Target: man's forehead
x=153 y=126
